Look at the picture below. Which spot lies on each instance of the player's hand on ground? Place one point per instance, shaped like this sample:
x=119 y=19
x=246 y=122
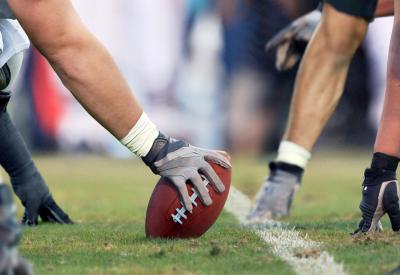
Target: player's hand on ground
x=290 y=42
x=180 y=162
x=47 y=209
x=380 y=195
x=275 y=197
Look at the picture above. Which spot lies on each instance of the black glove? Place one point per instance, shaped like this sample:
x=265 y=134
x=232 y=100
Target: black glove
x=380 y=195
x=47 y=209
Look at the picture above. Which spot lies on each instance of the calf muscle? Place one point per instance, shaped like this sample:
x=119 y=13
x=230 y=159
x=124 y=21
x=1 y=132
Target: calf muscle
x=322 y=75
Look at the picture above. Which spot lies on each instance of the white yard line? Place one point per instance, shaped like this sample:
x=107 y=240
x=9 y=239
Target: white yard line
x=301 y=253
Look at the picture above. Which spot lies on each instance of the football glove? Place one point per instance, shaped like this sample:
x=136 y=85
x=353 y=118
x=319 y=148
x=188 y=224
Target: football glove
x=180 y=162
x=47 y=209
x=380 y=195
x=291 y=42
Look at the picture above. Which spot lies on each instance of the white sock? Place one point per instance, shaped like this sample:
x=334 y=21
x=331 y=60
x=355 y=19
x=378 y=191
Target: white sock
x=294 y=154
x=142 y=136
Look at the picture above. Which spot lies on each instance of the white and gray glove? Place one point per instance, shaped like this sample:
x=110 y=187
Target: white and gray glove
x=180 y=162
x=290 y=42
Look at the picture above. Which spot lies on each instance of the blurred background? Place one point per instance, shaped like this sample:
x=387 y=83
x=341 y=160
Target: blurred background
x=200 y=70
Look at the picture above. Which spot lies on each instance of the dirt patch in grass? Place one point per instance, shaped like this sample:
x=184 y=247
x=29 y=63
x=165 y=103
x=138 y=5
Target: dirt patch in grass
x=308 y=253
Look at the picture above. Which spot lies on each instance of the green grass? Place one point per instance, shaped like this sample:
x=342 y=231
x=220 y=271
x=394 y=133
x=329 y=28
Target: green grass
x=326 y=209
x=107 y=198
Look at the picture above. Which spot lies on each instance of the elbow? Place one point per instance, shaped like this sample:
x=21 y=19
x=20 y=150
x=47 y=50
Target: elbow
x=64 y=57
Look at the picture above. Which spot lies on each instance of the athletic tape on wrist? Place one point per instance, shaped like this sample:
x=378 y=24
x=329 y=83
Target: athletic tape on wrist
x=142 y=136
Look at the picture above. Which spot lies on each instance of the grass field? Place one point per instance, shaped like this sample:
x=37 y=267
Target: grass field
x=107 y=198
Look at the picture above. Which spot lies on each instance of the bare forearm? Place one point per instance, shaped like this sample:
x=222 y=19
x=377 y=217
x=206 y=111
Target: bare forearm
x=89 y=72
x=385 y=8
x=82 y=63
x=387 y=140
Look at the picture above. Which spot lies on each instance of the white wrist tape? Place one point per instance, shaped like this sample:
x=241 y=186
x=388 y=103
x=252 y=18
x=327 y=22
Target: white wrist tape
x=142 y=136
x=294 y=154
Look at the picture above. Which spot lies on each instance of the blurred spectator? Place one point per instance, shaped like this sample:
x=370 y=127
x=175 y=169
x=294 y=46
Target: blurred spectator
x=259 y=95
x=201 y=72
x=145 y=39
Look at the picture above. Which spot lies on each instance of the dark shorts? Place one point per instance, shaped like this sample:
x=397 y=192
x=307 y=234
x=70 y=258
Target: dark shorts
x=5 y=11
x=359 y=8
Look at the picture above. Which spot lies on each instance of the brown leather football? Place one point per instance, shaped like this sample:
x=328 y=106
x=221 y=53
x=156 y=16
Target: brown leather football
x=167 y=218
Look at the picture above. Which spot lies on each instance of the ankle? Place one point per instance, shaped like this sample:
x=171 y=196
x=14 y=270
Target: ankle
x=293 y=154
x=288 y=168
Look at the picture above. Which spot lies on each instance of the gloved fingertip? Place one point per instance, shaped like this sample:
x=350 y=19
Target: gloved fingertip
x=207 y=201
x=30 y=223
x=220 y=188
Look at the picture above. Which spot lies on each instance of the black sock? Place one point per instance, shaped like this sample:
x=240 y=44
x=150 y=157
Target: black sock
x=384 y=162
x=287 y=167
x=15 y=158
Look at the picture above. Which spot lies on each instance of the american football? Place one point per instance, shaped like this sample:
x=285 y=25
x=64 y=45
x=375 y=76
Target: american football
x=120 y=122
x=167 y=218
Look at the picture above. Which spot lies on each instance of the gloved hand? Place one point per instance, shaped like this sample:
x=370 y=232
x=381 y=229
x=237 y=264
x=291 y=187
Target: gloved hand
x=47 y=209
x=180 y=162
x=380 y=195
x=291 y=42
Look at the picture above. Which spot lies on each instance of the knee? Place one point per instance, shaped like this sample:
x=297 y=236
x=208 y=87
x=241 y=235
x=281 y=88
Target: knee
x=342 y=33
x=345 y=43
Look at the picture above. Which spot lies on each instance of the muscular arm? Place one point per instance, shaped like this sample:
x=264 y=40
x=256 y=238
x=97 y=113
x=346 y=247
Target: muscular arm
x=89 y=72
x=385 y=8
x=82 y=63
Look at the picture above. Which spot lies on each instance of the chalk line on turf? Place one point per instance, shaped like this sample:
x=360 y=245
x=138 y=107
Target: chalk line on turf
x=301 y=253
